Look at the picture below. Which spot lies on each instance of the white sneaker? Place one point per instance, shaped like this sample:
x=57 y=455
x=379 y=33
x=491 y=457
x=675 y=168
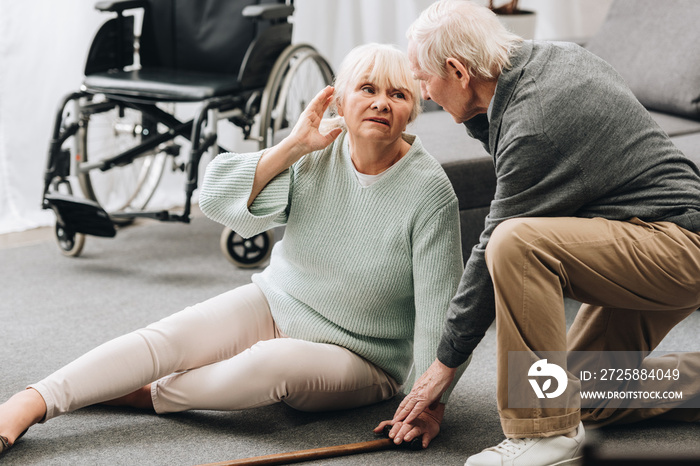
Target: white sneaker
x=547 y=451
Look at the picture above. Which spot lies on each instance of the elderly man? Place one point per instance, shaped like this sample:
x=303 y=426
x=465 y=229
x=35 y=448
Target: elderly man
x=592 y=202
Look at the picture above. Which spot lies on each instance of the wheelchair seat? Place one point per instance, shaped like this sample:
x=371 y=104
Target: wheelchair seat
x=162 y=84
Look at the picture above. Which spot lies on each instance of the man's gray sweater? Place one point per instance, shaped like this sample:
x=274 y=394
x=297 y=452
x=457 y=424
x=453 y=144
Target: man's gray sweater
x=568 y=139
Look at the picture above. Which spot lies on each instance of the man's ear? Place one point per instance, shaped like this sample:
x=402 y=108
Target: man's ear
x=456 y=69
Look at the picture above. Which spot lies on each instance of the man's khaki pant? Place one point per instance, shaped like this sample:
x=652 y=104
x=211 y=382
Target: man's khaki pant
x=638 y=281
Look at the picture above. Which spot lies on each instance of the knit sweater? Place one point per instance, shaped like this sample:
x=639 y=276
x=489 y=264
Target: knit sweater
x=568 y=139
x=371 y=269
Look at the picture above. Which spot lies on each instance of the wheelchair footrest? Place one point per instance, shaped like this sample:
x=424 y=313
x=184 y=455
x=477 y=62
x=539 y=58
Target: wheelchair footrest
x=80 y=215
x=162 y=215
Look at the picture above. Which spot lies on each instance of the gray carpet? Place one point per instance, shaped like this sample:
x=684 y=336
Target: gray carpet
x=52 y=309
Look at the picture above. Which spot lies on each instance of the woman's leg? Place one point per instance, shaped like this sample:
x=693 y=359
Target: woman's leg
x=139 y=399
x=305 y=375
x=208 y=332
x=21 y=411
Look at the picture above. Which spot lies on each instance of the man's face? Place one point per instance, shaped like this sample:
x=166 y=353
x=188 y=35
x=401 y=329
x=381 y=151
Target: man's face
x=447 y=92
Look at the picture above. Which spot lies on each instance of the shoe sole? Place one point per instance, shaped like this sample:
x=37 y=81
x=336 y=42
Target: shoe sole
x=4 y=445
x=572 y=462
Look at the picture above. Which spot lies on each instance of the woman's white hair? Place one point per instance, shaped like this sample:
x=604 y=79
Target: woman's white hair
x=382 y=64
x=466 y=31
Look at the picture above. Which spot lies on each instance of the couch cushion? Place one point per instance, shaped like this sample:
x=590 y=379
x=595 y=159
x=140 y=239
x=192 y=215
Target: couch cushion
x=675 y=126
x=465 y=160
x=689 y=144
x=654 y=46
x=684 y=133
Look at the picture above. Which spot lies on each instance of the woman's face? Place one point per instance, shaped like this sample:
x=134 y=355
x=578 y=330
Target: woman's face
x=375 y=111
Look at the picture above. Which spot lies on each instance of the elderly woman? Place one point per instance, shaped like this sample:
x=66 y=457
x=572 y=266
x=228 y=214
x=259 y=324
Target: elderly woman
x=355 y=293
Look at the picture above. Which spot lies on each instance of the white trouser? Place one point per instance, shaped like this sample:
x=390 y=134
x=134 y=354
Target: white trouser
x=224 y=354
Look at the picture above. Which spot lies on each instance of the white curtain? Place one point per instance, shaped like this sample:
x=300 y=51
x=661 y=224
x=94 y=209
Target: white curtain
x=335 y=26
x=43 y=45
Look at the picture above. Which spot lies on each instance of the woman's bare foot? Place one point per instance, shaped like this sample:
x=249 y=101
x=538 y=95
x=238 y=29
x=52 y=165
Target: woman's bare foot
x=140 y=399
x=20 y=412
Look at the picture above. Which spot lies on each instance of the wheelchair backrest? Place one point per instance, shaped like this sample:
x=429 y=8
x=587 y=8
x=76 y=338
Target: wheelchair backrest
x=197 y=35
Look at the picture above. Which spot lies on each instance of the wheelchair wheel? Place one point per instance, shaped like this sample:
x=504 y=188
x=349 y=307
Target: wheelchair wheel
x=298 y=75
x=246 y=253
x=71 y=244
x=105 y=134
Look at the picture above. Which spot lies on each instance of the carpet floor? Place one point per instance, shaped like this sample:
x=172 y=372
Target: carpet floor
x=53 y=309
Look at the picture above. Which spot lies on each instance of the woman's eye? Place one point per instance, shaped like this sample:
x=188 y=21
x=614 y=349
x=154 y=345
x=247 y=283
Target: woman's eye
x=400 y=95
x=368 y=89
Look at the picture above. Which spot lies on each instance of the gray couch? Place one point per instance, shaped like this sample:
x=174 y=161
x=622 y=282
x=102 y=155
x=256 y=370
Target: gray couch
x=652 y=44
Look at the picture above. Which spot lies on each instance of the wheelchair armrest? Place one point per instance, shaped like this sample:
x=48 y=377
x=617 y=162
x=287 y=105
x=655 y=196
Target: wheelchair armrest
x=120 y=5
x=268 y=11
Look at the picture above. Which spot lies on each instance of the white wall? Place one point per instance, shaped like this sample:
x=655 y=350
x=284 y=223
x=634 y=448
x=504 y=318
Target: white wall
x=43 y=44
x=567 y=19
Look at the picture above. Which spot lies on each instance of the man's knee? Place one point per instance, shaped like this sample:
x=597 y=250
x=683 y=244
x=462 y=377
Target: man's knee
x=510 y=240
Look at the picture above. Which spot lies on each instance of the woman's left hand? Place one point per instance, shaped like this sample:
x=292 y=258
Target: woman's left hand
x=306 y=134
x=304 y=138
x=427 y=425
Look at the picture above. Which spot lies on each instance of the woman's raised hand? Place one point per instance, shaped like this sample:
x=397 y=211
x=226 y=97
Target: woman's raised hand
x=304 y=138
x=306 y=134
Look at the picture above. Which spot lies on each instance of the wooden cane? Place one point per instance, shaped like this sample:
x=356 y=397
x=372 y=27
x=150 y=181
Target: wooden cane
x=324 y=452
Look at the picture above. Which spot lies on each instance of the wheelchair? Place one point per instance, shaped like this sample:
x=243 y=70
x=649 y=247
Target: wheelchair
x=114 y=137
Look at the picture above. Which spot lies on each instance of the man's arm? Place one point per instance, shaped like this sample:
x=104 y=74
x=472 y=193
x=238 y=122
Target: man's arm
x=426 y=425
x=421 y=413
x=426 y=392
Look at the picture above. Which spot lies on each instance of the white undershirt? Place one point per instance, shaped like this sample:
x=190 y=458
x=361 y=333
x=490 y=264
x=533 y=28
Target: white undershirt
x=368 y=180
x=490 y=109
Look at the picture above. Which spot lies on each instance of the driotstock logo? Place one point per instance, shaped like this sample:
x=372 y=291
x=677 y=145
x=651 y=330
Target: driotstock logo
x=541 y=369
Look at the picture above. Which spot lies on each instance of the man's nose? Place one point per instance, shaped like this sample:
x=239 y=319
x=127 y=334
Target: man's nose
x=424 y=91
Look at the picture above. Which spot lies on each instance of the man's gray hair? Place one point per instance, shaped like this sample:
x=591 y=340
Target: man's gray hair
x=465 y=31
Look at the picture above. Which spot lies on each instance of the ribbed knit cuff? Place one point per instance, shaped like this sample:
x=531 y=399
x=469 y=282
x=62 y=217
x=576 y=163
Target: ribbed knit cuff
x=449 y=356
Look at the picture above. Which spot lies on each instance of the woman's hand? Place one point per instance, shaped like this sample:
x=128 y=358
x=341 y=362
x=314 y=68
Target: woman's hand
x=426 y=425
x=306 y=136
x=424 y=398
x=420 y=412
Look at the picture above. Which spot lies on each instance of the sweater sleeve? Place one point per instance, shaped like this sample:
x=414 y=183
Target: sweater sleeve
x=437 y=266
x=533 y=180
x=227 y=185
